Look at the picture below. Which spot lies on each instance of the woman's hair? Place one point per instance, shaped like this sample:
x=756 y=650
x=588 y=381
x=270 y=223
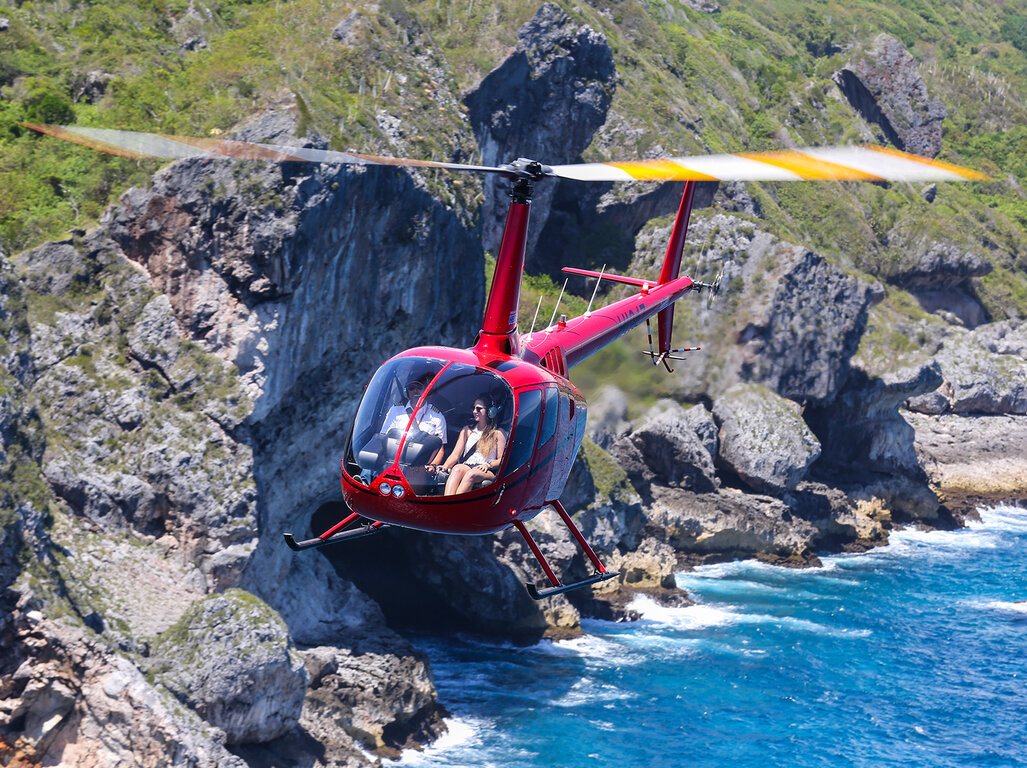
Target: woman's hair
x=489 y=435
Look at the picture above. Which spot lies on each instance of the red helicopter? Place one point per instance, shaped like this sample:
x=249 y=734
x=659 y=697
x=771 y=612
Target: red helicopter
x=532 y=418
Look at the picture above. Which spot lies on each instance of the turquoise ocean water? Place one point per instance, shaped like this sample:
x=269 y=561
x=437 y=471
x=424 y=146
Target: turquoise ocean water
x=911 y=655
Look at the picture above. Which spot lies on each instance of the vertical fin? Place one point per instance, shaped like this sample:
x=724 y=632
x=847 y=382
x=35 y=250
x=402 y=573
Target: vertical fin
x=672 y=264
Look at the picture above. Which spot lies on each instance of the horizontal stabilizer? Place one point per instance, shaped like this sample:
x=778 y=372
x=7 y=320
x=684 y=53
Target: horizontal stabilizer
x=674 y=354
x=607 y=276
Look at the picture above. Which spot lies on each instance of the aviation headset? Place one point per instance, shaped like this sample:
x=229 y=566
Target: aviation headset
x=491 y=407
x=421 y=380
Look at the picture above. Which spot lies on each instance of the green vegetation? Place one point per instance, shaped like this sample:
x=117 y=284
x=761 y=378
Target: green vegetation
x=754 y=76
x=610 y=480
x=746 y=78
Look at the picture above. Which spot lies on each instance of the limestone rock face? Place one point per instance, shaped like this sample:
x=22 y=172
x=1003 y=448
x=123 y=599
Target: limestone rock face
x=795 y=318
x=147 y=422
x=864 y=427
x=728 y=523
x=244 y=255
x=980 y=457
x=1008 y=337
x=937 y=265
x=652 y=565
x=312 y=619
x=544 y=103
x=977 y=380
x=763 y=439
x=67 y=699
x=230 y=658
x=868 y=444
x=16 y=372
x=885 y=87
x=383 y=698
x=607 y=416
x=666 y=449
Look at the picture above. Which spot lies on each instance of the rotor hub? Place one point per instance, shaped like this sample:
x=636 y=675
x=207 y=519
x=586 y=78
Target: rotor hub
x=525 y=168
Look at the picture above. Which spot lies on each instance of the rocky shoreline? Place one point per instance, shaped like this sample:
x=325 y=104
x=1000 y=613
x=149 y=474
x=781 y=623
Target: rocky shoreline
x=177 y=384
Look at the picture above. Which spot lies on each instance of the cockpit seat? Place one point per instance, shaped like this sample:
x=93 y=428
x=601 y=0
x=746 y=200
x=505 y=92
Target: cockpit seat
x=420 y=448
x=371 y=454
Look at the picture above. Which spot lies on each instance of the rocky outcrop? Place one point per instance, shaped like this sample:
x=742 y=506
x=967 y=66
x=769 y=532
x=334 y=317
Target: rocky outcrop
x=866 y=441
x=544 y=102
x=975 y=379
x=230 y=659
x=973 y=460
x=380 y=696
x=934 y=265
x=153 y=444
x=666 y=448
x=884 y=85
x=763 y=439
x=795 y=318
x=970 y=431
x=67 y=698
x=728 y=524
x=939 y=269
x=140 y=425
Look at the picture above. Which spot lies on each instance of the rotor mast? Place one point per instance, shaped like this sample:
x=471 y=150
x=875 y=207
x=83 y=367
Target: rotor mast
x=499 y=327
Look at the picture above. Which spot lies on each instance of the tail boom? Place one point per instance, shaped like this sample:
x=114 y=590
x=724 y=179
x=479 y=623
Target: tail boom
x=583 y=336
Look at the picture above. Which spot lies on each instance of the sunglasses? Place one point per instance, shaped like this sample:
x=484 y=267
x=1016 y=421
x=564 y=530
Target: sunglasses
x=479 y=408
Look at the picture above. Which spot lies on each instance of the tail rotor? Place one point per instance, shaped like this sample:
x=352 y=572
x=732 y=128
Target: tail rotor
x=712 y=290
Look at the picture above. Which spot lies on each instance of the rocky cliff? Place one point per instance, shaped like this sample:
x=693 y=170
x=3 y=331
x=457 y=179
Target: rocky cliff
x=176 y=386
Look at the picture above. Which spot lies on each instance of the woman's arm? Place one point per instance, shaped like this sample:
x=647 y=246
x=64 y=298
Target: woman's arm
x=458 y=450
x=500 y=450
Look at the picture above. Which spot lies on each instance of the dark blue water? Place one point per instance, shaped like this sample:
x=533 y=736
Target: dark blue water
x=912 y=655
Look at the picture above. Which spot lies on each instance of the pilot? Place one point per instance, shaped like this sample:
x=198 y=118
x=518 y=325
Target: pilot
x=478 y=451
x=429 y=418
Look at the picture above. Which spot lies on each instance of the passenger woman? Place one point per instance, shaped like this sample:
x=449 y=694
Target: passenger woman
x=478 y=452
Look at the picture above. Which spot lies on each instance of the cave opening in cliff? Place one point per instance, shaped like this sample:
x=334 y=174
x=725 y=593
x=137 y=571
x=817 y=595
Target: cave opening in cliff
x=384 y=568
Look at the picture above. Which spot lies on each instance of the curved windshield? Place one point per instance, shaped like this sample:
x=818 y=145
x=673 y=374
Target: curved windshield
x=413 y=418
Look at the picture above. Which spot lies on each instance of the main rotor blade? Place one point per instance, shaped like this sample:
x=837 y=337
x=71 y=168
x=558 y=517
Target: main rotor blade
x=138 y=145
x=850 y=163
x=866 y=163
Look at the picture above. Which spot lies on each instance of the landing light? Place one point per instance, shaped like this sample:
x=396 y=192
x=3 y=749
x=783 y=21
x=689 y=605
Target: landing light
x=384 y=489
x=398 y=491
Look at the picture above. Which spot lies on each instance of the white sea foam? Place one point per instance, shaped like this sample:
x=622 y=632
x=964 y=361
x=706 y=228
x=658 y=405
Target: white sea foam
x=464 y=743
x=461 y=734
x=1005 y=605
x=698 y=616
x=963 y=538
x=1003 y=518
x=589 y=691
x=586 y=646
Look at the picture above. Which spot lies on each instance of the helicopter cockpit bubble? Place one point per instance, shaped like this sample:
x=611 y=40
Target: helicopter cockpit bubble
x=411 y=416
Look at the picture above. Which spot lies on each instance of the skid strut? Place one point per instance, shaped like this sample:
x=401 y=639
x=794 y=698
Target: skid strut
x=601 y=574
x=336 y=534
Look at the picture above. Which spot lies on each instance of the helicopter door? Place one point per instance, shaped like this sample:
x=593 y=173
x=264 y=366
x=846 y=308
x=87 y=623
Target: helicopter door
x=521 y=456
x=570 y=432
x=522 y=442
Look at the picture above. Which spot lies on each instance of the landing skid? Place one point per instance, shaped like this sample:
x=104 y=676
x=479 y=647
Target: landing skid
x=335 y=534
x=558 y=588
x=538 y=594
